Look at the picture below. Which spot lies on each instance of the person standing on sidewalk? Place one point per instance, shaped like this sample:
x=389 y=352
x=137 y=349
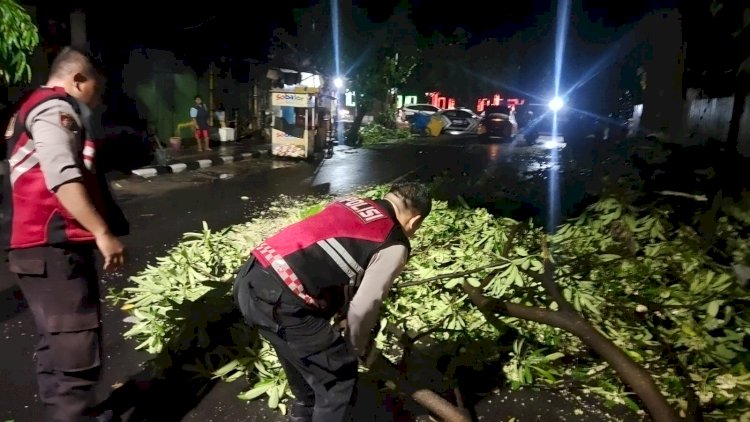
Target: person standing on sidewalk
x=199 y=114
x=54 y=219
x=343 y=261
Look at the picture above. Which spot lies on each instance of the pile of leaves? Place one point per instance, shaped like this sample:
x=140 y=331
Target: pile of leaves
x=646 y=284
x=375 y=134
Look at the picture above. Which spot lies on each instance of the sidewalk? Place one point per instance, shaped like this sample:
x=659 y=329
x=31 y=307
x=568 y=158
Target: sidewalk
x=190 y=159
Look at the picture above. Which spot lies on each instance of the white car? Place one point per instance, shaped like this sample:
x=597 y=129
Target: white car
x=409 y=110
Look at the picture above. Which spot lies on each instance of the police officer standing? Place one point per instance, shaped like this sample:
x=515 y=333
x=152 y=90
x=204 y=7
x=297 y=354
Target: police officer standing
x=341 y=260
x=54 y=219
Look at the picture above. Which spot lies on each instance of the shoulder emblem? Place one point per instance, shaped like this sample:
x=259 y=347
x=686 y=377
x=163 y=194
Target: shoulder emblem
x=68 y=122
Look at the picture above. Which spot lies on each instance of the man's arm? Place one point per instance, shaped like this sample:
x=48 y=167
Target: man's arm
x=364 y=309
x=55 y=149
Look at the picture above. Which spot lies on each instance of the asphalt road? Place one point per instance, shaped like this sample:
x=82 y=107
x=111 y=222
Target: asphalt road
x=511 y=179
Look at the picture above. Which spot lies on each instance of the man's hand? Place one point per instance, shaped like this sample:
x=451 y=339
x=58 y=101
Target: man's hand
x=112 y=250
x=75 y=199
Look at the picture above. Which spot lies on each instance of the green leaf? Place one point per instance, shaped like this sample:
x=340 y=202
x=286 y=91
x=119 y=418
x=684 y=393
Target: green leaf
x=224 y=370
x=257 y=391
x=713 y=308
x=273 y=397
x=554 y=356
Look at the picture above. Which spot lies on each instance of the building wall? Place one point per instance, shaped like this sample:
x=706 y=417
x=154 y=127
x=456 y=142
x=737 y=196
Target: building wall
x=709 y=118
x=163 y=88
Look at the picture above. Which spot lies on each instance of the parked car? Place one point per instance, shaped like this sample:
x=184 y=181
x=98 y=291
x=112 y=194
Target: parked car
x=498 y=121
x=537 y=119
x=459 y=121
x=408 y=111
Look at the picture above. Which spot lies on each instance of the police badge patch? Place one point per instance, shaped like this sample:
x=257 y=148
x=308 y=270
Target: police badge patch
x=67 y=121
x=11 y=127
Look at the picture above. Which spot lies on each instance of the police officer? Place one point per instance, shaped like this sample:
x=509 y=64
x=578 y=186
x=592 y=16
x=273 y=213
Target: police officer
x=343 y=259
x=54 y=219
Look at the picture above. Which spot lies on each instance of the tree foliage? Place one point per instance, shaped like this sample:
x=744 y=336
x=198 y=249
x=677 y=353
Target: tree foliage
x=644 y=282
x=19 y=38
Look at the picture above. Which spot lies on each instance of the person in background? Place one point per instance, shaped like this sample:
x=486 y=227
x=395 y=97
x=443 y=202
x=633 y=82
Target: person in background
x=221 y=115
x=199 y=114
x=342 y=261
x=55 y=217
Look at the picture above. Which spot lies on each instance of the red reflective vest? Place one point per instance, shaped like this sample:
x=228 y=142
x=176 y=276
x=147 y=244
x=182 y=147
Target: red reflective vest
x=33 y=214
x=324 y=256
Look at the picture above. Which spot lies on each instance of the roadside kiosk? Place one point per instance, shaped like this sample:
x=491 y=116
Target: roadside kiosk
x=293 y=122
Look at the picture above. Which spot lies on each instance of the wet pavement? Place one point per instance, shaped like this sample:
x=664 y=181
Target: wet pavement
x=512 y=179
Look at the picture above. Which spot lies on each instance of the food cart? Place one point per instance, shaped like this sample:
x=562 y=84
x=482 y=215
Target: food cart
x=293 y=123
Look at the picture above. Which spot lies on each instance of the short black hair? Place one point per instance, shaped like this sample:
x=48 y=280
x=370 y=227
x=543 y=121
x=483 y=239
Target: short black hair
x=71 y=60
x=197 y=96
x=416 y=197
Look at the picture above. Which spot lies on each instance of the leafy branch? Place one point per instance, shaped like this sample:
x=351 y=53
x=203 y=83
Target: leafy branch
x=20 y=36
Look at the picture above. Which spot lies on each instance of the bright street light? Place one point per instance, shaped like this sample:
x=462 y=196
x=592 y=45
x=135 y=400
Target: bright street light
x=556 y=104
x=338 y=82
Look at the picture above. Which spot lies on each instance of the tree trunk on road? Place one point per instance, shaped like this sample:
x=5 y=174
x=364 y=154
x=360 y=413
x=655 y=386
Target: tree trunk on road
x=352 y=137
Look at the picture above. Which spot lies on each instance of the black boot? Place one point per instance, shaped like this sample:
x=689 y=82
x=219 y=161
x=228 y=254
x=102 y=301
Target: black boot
x=300 y=412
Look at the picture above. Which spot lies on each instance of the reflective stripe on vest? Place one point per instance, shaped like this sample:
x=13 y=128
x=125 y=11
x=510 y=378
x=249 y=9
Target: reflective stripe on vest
x=285 y=272
x=343 y=259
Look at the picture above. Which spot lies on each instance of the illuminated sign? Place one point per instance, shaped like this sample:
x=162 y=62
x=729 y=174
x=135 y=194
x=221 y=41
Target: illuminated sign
x=498 y=100
x=350 y=96
x=401 y=100
x=440 y=101
x=288 y=99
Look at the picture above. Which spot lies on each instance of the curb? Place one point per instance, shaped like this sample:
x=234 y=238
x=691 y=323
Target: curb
x=179 y=167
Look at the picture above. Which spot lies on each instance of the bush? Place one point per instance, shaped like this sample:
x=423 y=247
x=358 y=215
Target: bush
x=645 y=283
x=374 y=134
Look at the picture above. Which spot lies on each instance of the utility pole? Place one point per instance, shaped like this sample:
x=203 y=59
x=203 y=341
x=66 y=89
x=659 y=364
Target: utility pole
x=211 y=93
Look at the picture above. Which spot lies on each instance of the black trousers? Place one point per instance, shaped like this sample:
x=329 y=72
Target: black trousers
x=62 y=290
x=319 y=363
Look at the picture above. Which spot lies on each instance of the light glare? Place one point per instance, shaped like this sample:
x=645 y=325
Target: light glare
x=556 y=104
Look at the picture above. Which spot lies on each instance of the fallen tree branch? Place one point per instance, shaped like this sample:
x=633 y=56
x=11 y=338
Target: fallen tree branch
x=629 y=371
x=449 y=276
x=428 y=399
x=699 y=198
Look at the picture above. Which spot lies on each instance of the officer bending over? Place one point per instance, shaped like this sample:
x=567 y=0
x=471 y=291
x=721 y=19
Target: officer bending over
x=341 y=260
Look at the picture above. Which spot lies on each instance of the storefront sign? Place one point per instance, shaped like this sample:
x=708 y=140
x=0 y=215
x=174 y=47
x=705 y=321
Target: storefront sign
x=401 y=100
x=281 y=136
x=441 y=101
x=289 y=99
x=286 y=145
x=498 y=100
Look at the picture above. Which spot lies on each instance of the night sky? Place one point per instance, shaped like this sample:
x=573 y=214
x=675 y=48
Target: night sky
x=243 y=28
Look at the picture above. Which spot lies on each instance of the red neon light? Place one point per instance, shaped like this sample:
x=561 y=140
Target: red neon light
x=482 y=103
x=441 y=101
